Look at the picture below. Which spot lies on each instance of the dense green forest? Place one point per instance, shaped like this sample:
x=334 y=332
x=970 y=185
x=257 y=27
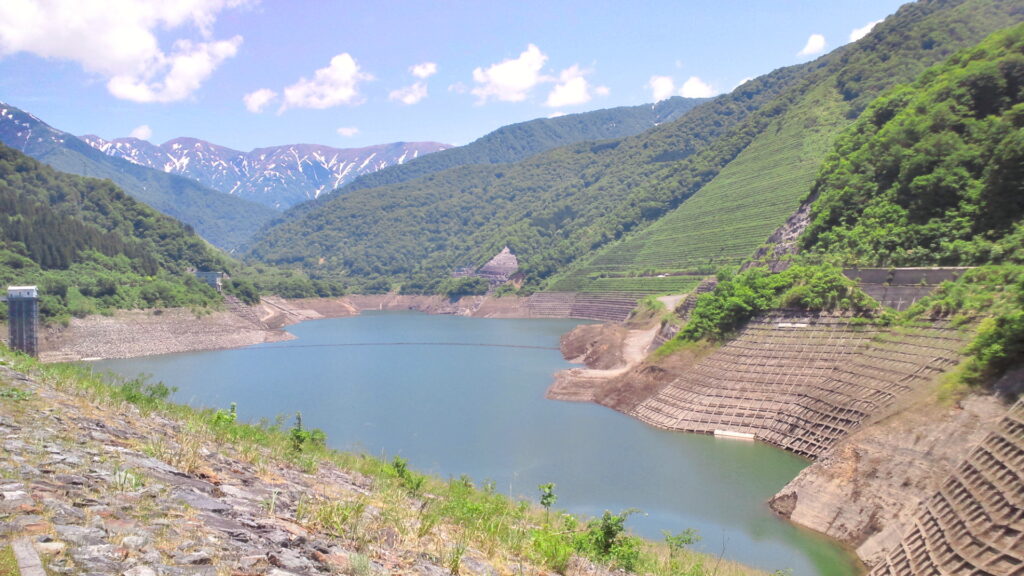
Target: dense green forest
x=933 y=172
x=563 y=209
x=517 y=142
x=723 y=223
x=91 y=248
x=225 y=221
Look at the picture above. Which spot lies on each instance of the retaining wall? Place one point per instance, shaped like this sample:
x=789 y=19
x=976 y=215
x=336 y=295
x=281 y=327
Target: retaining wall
x=801 y=382
x=974 y=524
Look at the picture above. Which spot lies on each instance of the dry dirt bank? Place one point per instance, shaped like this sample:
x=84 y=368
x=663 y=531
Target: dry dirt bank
x=609 y=351
x=134 y=333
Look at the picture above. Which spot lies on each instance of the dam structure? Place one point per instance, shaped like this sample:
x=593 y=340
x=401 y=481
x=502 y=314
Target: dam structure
x=23 y=319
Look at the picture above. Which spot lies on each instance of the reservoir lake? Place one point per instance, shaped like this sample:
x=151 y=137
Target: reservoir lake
x=465 y=396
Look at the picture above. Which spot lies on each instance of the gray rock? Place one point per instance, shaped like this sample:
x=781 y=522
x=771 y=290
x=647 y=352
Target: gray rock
x=139 y=571
x=199 y=558
x=135 y=542
x=290 y=560
x=80 y=535
x=201 y=502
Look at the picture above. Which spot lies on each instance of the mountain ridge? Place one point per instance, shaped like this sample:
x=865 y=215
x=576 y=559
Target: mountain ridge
x=225 y=221
x=276 y=176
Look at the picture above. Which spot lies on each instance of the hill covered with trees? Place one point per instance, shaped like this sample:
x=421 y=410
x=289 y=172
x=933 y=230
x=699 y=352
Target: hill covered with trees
x=700 y=192
x=519 y=141
x=933 y=172
x=92 y=248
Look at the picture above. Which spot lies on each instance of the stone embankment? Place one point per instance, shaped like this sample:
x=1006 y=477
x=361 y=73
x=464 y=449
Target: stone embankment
x=973 y=524
x=861 y=401
x=802 y=381
x=92 y=489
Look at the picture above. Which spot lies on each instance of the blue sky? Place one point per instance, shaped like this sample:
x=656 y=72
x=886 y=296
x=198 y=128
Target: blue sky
x=248 y=73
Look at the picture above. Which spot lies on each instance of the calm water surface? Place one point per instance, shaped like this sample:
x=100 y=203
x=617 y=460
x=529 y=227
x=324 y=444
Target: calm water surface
x=424 y=388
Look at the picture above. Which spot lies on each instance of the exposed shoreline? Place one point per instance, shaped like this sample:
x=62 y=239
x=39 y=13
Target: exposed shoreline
x=136 y=333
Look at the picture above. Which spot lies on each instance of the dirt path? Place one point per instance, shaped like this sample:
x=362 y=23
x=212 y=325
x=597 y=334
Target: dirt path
x=580 y=384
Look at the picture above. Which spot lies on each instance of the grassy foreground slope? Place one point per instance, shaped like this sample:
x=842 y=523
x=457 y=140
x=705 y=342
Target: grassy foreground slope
x=729 y=218
x=225 y=221
x=344 y=513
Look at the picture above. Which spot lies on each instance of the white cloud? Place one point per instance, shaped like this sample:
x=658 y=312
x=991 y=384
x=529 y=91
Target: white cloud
x=573 y=89
x=662 y=86
x=256 y=101
x=512 y=79
x=694 y=87
x=556 y=114
x=409 y=94
x=815 y=45
x=858 y=33
x=336 y=84
x=424 y=70
x=348 y=131
x=176 y=76
x=143 y=132
x=116 y=39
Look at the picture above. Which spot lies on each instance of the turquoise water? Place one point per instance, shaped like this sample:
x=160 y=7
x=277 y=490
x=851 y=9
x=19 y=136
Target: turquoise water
x=466 y=396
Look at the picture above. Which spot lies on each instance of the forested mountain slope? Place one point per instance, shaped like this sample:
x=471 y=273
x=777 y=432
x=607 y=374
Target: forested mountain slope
x=541 y=207
x=726 y=221
x=933 y=172
x=226 y=221
x=559 y=207
x=519 y=141
x=90 y=247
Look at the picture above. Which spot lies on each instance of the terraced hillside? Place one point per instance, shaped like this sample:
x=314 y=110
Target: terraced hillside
x=725 y=222
x=973 y=525
x=802 y=381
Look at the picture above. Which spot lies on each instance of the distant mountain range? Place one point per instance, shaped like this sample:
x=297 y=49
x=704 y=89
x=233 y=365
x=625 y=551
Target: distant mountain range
x=225 y=221
x=519 y=141
x=277 y=176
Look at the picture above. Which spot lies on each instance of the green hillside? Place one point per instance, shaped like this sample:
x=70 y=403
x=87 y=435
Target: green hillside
x=545 y=208
x=726 y=174
x=725 y=222
x=517 y=142
x=90 y=247
x=225 y=221
x=933 y=172
x=929 y=175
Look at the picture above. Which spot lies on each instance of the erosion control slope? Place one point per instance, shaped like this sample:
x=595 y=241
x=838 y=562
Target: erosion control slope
x=974 y=524
x=802 y=381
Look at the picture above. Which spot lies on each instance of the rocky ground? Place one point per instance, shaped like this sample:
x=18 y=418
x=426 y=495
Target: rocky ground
x=102 y=490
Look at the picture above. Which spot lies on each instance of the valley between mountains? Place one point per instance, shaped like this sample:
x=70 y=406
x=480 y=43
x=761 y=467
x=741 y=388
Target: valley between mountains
x=828 y=259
